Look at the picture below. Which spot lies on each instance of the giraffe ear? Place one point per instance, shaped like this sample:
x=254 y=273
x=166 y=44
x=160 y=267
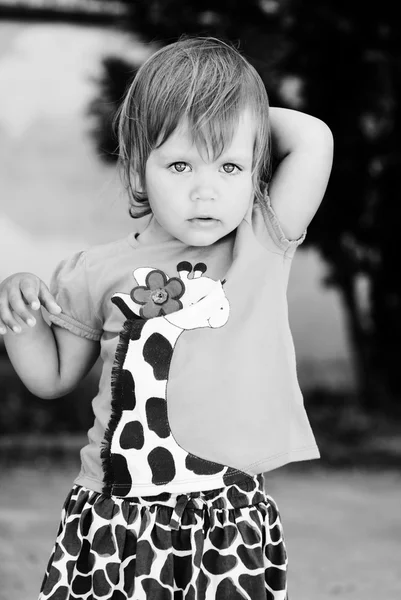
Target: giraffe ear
x=128 y=307
x=141 y=273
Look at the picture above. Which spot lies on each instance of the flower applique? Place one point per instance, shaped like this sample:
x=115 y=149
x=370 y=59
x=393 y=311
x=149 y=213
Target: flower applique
x=159 y=296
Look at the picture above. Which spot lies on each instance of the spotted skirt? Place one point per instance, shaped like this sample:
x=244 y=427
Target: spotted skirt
x=215 y=545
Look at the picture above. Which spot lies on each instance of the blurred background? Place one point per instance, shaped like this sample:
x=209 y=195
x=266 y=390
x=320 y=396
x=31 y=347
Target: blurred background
x=64 y=66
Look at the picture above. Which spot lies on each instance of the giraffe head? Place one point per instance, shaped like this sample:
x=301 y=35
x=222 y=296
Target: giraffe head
x=184 y=301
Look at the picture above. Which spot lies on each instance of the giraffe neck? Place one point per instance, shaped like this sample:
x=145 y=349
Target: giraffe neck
x=149 y=358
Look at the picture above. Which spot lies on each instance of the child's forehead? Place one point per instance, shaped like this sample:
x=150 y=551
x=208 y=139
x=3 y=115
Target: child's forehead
x=239 y=137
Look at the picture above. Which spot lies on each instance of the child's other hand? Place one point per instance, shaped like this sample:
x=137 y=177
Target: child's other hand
x=19 y=291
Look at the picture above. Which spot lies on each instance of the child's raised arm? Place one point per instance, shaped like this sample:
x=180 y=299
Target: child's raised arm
x=303 y=147
x=49 y=360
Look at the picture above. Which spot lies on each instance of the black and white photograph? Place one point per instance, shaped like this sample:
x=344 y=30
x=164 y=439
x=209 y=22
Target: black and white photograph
x=200 y=300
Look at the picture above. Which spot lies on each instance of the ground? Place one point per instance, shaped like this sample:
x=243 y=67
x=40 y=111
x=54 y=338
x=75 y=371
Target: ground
x=343 y=529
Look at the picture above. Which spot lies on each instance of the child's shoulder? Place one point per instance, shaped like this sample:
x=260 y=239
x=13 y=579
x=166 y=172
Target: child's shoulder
x=109 y=251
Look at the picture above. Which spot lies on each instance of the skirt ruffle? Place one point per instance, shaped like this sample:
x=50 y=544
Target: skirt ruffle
x=216 y=545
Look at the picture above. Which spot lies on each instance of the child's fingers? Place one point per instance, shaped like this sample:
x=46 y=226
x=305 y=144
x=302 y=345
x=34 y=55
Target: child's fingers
x=30 y=291
x=3 y=328
x=48 y=300
x=19 y=308
x=7 y=319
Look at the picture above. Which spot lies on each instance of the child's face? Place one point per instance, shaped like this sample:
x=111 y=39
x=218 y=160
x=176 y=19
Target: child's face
x=194 y=200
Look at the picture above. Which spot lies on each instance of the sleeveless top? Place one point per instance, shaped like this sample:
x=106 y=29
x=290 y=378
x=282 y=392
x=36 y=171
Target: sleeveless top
x=199 y=386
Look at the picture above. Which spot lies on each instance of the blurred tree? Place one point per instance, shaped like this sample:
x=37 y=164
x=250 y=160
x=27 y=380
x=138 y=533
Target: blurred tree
x=346 y=58
x=340 y=61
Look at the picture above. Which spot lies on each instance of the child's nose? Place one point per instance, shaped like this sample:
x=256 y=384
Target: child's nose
x=203 y=189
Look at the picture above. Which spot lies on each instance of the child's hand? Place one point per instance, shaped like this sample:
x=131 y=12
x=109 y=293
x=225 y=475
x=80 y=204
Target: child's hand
x=18 y=291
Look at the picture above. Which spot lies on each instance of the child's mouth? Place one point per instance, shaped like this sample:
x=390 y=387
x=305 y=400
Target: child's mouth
x=203 y=221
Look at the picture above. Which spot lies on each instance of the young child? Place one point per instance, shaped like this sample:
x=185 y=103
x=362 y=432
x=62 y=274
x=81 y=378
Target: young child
x=198 y=395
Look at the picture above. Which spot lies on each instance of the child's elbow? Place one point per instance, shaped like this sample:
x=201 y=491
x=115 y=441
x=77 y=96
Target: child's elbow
x=322 y=135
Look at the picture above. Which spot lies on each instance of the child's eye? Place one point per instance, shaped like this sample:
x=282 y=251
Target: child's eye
x=231 y=168
x=179 y=167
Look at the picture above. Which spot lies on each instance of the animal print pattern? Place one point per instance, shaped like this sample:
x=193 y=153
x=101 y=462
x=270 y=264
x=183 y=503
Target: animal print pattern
x=140 y=455
x=215 y=545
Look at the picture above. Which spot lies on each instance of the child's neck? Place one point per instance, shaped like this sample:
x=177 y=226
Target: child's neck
x=154 y=233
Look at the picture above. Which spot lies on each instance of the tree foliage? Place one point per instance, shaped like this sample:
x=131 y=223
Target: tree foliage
x=347 y=55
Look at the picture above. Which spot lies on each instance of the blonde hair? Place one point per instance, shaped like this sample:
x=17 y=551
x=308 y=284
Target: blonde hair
x=204 y=80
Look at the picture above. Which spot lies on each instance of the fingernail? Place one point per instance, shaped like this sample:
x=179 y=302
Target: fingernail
x=3 y=331
x=35 y=305
x=16 y=329
x=31 y=322
x=58 y=308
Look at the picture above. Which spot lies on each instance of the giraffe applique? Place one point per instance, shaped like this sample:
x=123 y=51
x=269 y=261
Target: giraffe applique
x=140 y=455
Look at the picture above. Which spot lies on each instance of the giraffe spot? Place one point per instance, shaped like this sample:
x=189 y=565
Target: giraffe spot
x=251 y=557
x=199 y=543
x=132 y=436
x=162 y=464
x=153 y=589
x=106 y=508
x=161 y=538
x=130 y=512
x=182 y=570
x=86 y=521
x=113 y=570
x=250 y=535
x=200 y=466
x=135 y=328
x=53 y=577
x=273 y=513
x=58 y=554
x=85 y=560
x=248 y=484
x=276 y=578
x=144 y=558
x=218 y=564
x=275 y=534
x=254 y=586
x=276 y=554
x=232 y=476
x=101 y=586
x=60 y=594
x=256 y=518
x=202 y=583
x=156 y=414
x=121 y=474
x=164 y=496
x=227 y=589
x=190 y=594
x=130 y=544
x=157 y=351
x=71 y=541
x=117 y=595
x=223 y=537
x=103 y=542
x=81 y=584
x=125 y=390
x=166 y=572
x=236 y=497
x=181 y=539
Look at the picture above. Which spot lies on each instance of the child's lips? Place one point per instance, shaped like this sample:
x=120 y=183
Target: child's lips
x=204 y=222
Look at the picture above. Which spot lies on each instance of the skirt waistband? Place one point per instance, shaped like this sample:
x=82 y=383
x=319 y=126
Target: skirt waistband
x=244 y=493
